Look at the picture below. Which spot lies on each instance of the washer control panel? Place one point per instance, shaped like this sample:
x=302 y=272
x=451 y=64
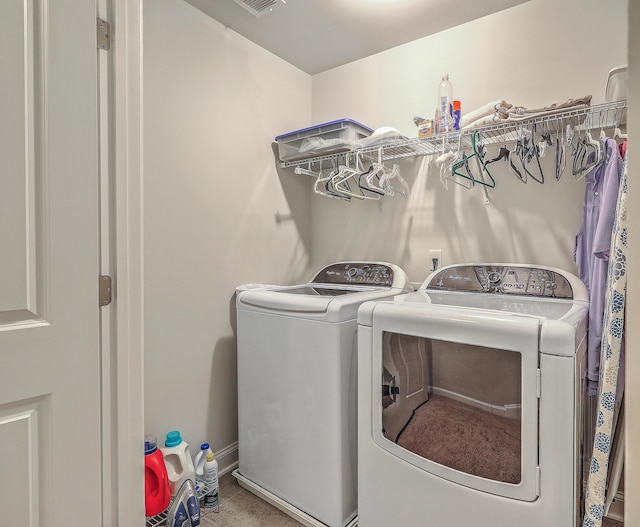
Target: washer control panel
x=361 y=273
x=502 y=279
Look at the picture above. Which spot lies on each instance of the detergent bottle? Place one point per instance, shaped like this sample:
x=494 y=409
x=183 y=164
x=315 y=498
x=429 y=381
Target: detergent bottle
x=211 y=483
x=177 y=459
x=157 y=493
x=201 y=459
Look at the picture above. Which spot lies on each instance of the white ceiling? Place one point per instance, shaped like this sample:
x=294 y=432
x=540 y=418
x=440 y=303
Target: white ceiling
x=317 y=35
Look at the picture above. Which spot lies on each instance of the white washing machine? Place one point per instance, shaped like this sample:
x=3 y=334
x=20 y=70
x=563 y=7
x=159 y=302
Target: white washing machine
x=469 y=394
x=297 y=422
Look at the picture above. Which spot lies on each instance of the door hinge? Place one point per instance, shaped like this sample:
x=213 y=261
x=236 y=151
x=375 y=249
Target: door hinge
x=103 y=34
x=104 y=290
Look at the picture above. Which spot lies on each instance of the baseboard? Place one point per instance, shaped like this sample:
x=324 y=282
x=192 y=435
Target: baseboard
x=284 y=506
x=227 y=459
x=616 y=510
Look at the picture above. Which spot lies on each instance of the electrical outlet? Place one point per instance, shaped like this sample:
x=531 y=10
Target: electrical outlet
x=435 y=259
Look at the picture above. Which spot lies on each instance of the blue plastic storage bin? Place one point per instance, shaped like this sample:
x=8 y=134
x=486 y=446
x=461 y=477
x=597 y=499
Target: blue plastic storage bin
x=326 y=138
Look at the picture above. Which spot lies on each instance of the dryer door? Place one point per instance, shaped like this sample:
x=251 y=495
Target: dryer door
x=455 y=394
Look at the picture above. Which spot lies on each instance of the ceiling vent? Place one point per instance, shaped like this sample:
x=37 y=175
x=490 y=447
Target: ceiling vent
x=257 y=7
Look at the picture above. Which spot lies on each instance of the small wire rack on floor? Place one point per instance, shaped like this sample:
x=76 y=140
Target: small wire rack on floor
x=158 y=519
x=161 y=518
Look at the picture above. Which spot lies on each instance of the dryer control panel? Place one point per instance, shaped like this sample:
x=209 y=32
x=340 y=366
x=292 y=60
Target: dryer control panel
x=361 y=273
x=503 y=279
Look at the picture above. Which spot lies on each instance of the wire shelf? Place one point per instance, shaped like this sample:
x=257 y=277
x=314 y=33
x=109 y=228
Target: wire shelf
x=158 y=519
x=601 y=116
x=161 y=519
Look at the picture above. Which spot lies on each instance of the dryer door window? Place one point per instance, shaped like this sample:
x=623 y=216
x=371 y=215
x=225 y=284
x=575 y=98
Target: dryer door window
x=455 y=404
x=457 y=397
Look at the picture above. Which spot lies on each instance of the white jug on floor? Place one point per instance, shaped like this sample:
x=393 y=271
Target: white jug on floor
x=178 y=460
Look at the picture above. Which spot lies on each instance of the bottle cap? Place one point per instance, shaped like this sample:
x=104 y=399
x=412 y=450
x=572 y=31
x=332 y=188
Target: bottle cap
x=173 y=438
x=456 y=105
x=210 y=456
x=204 y=446
x=150 y=444
x=445 y=77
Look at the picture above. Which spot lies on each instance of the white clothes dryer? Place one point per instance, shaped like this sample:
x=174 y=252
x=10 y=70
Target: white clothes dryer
x=469 y=394
x=297 y=422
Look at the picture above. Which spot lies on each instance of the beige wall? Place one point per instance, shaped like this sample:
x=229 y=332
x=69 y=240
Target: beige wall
x=217 y=213
x=528 y=55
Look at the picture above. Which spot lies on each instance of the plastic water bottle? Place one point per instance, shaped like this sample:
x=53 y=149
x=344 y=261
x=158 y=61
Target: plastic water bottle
x=211 y=500
x=445 y=98
x=177 y=459
x=157 y=492
x=201 y=459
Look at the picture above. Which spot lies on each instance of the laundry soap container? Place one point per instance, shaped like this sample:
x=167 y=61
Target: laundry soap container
x=211 y=483
x=201 y=459
x=177 y=459
x=157 y=493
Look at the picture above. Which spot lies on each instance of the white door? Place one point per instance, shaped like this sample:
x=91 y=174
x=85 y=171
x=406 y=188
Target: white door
x=50 y=447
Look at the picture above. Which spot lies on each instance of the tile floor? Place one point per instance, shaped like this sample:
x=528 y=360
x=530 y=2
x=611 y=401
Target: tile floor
x=241 y=508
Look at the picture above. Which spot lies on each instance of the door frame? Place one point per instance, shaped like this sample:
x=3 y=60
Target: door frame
x=123 y=478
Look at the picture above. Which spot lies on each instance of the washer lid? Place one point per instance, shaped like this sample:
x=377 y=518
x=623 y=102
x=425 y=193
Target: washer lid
x=315 y=290
x=317 y=301
x=333 y=295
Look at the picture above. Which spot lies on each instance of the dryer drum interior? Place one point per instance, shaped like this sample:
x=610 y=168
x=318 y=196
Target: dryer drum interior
x=455 y=404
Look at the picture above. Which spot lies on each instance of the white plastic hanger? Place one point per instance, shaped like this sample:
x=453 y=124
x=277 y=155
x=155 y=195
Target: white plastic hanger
x=376 y=175
x=346 y=173
x=617 y=134
x=445 y=161
x=323 y=181
x=579 y=170
x=394 y=173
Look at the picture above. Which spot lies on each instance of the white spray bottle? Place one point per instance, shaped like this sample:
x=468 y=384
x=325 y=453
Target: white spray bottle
x=211 y=498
